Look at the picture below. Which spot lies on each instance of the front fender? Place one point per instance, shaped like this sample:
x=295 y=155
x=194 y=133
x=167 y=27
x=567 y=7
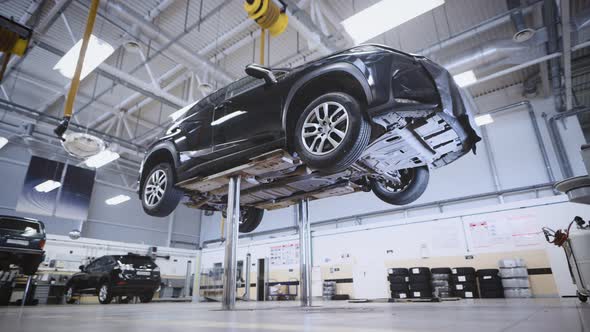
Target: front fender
x=344 y=67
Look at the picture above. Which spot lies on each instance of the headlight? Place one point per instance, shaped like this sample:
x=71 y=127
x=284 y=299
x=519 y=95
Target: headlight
x=156 y=269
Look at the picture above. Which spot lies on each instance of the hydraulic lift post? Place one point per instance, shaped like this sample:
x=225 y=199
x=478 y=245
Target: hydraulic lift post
x=231 y=244
x=304 y=252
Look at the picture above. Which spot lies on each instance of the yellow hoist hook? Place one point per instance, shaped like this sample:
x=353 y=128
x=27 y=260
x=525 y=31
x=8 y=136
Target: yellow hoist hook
x=268 y=16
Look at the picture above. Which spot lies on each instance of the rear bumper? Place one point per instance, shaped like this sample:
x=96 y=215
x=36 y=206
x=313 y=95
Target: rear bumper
x=20 y=256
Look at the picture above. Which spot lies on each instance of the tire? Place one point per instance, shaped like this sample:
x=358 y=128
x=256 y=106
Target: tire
x=440 y=283
x=423 y=287
x=105 y=295
x=250 y=218
x=397 y=279
x=399 y=295
x=337 y=153
x=441 y=277
x=466 y=287
x=419 y=279
x=466 y=294
x=398 y=287
x=491 y=286
x=159 y=196
x=492 y=294
x=463 y=270
x=414 y=183
x=398 y=272
x=146 y=298
x=440 y=270
x=69 y=295
x=463 y=278
x=488 y=273
x=419 y=271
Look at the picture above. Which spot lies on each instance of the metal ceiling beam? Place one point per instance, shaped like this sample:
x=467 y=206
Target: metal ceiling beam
x=185 y=56
x=300 y=20
x=127 y=80
x=567 y=54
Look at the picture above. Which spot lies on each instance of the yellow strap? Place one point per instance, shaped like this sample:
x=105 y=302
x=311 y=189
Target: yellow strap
x=262 y=41
x=76 y=79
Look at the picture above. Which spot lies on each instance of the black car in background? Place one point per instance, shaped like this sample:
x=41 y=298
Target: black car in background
x=21 y=243
x=370 y=118
x=116 y=275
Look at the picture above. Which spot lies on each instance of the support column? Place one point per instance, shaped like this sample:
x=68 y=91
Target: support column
x=231 y=244
x=304 y=252
x=197 y=280
x=27 y=290
x=247 y=267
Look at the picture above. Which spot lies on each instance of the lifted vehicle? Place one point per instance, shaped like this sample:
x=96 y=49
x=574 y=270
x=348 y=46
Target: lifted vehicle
x=367 y=118
x=115 y=275
x=21 y=243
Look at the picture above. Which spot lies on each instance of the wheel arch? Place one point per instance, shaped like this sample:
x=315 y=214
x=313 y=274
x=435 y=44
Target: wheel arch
x=341 y=77
x=163 y=152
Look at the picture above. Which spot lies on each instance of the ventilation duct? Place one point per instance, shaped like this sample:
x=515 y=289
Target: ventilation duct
x=492 y=52
x=523 y=33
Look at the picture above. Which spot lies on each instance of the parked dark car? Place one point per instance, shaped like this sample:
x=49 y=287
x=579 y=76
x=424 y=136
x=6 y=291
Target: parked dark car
x=118 y=275
x=21 y=243
x=367 y=118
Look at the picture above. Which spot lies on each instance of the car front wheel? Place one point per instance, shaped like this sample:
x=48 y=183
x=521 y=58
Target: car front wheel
x=159 y=196
x=146 y=298
x=331 y=133
x=408 y=186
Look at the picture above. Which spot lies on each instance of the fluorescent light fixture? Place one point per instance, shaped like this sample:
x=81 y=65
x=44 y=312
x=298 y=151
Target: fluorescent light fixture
x=47 y=186
x=178 y=114
x=98 y=51
x=384 y=16
x=465 y=78
x=482 y=120
x=3 y=141
x=227 y=117
x=117 y=200
x=102 y=158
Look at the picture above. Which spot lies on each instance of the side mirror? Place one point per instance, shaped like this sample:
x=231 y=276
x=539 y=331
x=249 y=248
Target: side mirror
x=264 y=73
x=81 y=267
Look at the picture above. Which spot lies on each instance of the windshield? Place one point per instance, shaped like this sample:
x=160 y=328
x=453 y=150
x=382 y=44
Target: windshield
x=20 y=226
x=138 y=262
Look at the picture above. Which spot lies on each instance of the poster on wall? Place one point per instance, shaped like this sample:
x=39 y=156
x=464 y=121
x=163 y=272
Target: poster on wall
x=518 y=230
x=285 y=254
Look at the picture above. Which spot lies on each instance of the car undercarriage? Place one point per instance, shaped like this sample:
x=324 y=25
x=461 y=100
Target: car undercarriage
x=278 y=179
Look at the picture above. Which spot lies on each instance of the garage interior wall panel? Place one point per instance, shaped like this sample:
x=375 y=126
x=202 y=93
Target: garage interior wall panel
x=124 y=222
x=445 y=240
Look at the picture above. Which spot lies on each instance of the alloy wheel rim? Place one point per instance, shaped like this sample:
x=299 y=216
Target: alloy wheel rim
x=155 y=188
x=102 y=295
x=325 y=128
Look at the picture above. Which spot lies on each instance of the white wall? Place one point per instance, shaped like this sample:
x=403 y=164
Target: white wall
x=428 y=237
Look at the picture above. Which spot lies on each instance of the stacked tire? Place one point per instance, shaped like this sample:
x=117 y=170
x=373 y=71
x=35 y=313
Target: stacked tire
x=328 y=290
x=398 y=283
x=490 y=284
x=420 y=283
x=442 y=286
x=515 y=278
x=464 y=282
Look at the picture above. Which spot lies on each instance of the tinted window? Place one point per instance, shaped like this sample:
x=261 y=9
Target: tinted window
x=137 y=261
x=20 y=226
x=242 y=85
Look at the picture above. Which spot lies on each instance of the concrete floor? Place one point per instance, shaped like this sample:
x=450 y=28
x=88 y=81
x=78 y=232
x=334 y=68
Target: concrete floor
x=466 y=315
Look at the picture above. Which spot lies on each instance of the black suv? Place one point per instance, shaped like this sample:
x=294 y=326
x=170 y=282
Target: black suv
x=21 y=243
x=367 y=118
x=110 y=276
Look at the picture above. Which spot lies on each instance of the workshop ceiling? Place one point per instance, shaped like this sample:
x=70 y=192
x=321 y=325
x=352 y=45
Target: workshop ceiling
x=220 y=32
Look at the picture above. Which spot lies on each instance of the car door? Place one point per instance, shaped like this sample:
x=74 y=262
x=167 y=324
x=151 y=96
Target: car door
x=96 y=273
x=249 y=116
x=81 y=280
x=194 y=140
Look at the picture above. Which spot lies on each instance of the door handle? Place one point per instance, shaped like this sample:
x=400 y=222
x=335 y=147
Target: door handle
x=222 y=105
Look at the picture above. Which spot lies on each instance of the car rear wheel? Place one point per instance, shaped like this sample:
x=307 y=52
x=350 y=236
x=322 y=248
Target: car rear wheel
x=331 y=133
x=105 y=295
x=409 y=186
x=159 y=196
x=250 y=218
x=70 y=295
x=146 y=298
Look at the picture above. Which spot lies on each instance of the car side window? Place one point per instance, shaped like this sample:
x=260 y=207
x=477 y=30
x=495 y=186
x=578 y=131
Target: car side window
x=92 y=266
